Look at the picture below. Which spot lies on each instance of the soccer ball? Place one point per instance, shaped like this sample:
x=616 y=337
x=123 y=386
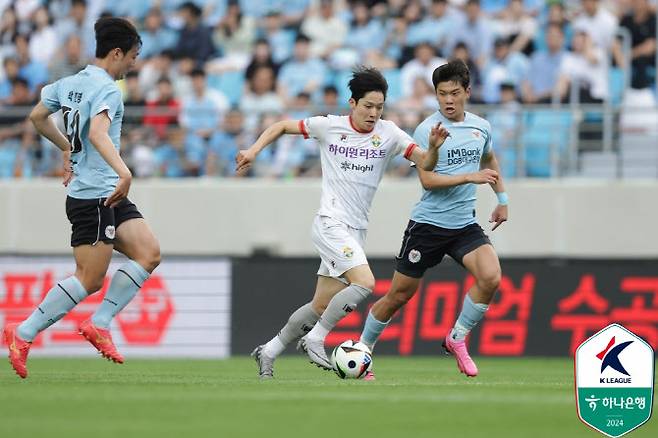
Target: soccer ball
x=351 y=360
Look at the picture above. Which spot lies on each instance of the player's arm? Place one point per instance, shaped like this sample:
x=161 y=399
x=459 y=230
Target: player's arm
x=100 y=138
x=40 y=118
x=246 y=157
x=500 y=213
x=426 y=159
x=434 y=181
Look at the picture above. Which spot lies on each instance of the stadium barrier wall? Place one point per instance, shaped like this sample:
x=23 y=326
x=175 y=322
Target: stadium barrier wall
x=214 y=307
x=193 y=217
x=544 y=307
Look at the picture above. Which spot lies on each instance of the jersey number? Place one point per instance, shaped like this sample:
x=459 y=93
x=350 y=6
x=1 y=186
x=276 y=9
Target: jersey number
x=72 y=123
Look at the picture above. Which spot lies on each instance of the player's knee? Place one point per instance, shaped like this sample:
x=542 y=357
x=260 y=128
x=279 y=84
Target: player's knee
x=155 y=258
x=150 y=258
x=490 y=281
x=366 y=282
x=92 y=283
x=319 y=307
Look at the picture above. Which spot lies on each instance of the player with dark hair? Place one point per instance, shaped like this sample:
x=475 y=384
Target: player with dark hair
x=443 y=221
x=102 y=218
x=355 y=151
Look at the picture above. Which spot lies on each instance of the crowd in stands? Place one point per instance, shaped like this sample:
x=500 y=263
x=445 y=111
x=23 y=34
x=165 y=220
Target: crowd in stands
x=212 y=74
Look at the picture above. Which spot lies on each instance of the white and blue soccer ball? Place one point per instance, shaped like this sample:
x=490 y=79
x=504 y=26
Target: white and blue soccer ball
x=351 y=360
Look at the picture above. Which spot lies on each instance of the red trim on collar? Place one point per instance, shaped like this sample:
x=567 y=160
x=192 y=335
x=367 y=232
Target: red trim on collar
x=357 y=129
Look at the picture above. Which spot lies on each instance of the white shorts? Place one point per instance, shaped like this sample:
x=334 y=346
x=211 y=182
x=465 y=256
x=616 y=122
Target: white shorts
x=339 y=245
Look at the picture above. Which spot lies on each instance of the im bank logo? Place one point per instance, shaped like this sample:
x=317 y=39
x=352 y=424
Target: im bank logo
x=614 y=381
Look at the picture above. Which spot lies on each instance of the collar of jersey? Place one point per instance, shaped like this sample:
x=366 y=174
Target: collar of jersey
x=96 y=68
x=357 y=129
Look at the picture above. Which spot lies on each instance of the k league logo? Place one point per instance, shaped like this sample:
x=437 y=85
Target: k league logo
x=614 y=381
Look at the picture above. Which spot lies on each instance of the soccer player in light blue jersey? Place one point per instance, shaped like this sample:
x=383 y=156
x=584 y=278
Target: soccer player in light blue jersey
x=443 y=221
x=102 y=218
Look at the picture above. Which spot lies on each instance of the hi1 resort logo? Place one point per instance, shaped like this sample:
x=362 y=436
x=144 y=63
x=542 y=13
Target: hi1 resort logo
x=614 y=381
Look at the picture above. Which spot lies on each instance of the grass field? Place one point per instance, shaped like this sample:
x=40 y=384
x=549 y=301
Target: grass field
x=411 y=398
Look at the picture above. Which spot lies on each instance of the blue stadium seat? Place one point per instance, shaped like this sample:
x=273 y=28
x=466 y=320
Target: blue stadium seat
x=394 y=89
x=543 y=130
x=230 y=83
x=616 y=85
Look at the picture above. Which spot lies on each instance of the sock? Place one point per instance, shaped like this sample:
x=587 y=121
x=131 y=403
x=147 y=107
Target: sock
x=372 y=329
x=340 y=305
x=123 y=288
x=300 y=322
x=470 y=315
x=59 y=300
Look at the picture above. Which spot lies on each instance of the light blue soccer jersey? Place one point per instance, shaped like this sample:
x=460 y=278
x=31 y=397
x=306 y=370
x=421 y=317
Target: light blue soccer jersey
x=453 y=207
x=81 y=97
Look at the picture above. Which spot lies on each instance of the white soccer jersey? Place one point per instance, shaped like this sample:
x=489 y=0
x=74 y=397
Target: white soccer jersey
x=353 y=163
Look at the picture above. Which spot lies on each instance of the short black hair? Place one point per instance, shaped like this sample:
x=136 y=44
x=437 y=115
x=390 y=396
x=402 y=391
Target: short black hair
x=330 y=89
x=198 y=71
x=20 y=81
x=367 y=79
x=454 y=71
x=302 y=38
x=112 y=33
x=192 y=8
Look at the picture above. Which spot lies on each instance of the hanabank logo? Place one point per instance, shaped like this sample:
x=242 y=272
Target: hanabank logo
x=609 y=358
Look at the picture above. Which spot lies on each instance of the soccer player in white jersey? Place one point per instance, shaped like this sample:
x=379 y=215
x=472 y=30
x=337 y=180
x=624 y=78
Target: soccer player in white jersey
x=443 y=221
x=102 y=217
x=355 y=151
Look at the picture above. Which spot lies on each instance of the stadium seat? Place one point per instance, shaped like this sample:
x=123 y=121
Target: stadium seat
x=544 y=129
x=616 y=84
x=230 y=83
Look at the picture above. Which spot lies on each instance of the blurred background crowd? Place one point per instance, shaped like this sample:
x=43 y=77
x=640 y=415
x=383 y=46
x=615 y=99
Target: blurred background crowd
x=569 y=86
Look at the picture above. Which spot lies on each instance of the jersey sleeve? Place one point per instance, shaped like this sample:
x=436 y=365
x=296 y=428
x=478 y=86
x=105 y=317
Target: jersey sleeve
x=404 y=143
x=315 y=127
x=488 y=144
x=106 y=100
x=50 y=98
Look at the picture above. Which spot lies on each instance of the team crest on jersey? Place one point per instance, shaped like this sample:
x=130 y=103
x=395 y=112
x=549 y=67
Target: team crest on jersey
x=109 y=232
x=348 y=252
x=414 y=256
x=343 y=137
x=376 y=141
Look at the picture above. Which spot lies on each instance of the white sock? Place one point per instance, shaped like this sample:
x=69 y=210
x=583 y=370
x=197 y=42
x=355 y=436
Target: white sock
x=274 y=347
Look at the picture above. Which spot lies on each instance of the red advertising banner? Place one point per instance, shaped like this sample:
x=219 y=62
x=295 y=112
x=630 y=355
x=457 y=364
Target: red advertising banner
x=543 y=307
x=182 y=310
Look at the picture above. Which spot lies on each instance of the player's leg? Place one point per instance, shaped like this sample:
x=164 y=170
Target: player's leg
x=421 y=249
x=477 y=255
x=484 y=265
x=136 y=241
x=300 y=322
x=403 y=287
x=361 y=283
x=92 y=251
x=341 y=250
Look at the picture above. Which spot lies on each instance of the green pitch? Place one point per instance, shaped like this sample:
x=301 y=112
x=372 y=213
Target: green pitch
x=525 y=398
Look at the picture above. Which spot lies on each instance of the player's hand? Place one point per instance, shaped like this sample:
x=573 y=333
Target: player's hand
x=120 y=192
x=485 y=176
x=67 y=176
x=498 y=216
x=244 y=159
x=438 y=135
